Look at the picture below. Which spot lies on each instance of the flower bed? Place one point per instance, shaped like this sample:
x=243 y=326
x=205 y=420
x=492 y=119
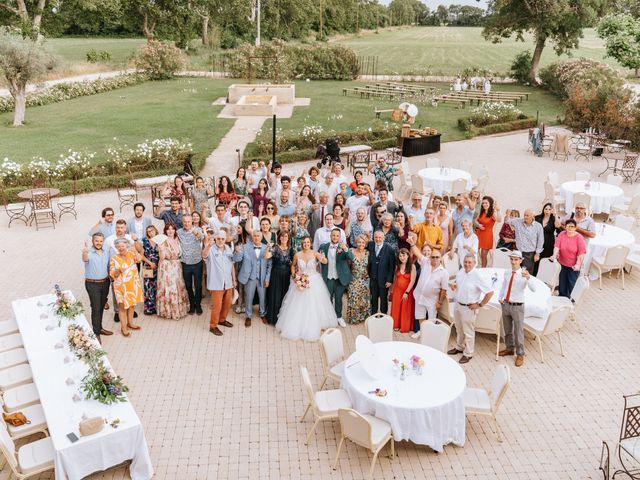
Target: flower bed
x=494 y=112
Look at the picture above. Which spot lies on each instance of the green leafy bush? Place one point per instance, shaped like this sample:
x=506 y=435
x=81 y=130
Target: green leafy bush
x=159 y=60
x=559 y=77
x=521 y=66
x=92 y=56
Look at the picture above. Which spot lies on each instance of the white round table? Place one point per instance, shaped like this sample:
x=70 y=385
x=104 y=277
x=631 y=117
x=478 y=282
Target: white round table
x=536 y=304
x=427 y=409
x=441 y=179
x=603 y=195
x=607 y=236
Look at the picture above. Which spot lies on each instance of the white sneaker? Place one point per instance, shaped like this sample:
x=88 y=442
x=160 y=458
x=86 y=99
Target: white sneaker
x=341 y=322
x=415 y=334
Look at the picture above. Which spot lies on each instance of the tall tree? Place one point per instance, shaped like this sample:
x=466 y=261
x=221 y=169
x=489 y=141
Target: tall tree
x=558 y=21
x=26 y=16
x=621 y=34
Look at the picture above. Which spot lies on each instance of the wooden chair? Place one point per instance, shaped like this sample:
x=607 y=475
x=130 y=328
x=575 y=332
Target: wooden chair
x=41 y=209
x=15 y=211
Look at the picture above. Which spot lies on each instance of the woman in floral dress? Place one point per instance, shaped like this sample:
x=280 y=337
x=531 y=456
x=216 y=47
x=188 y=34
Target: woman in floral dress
x=226 y=194
x=126 y=283
x=151 y=258
x=172 y=300
x=200 y=193
x=359 y=297
x=299 y=231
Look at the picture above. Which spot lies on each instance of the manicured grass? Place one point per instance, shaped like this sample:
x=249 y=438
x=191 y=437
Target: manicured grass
x=74 y=49
x=178 y=108
x=449 y=50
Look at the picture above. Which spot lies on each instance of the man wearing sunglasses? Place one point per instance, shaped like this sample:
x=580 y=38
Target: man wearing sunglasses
x=586 y=226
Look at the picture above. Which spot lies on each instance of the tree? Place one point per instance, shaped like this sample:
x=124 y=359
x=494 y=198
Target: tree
x=21 y=60
x=28 y=22
x=621 y=33
x=559 y=21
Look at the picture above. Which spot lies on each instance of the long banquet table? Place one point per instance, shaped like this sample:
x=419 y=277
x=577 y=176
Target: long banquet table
x=57 y=375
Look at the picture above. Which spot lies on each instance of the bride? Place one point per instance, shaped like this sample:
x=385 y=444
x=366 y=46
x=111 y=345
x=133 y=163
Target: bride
x=304 y=313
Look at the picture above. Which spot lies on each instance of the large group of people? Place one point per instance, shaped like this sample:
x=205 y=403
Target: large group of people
x=296 y=247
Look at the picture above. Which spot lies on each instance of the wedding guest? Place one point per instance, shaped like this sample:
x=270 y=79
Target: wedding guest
x=275 y=177
x=345 y=191
x=360 y=227
x=268 y=237
x=285 y=207
x=256 y=172
x=390 y=231
x=244 y=223
x=323 y=235
x=279 y=280
x=460 y=213
x=443 y=219
x=383 y=205
x=198 y=221
x=507 y=235
x=381 y=269
x=384 y=172
x=151 y=257
x=529 y=237
x=320 y=209
x=254 y=274
x=363 y=198
x=514 y=283
x=260 y=196
x=240 y=183
x=192 y=266
x=173 y=215
x=96 y=281
x=415 y=210
x=359 y=295
x=358 y=178
x=178 y=189
x=570 y=249
x=224 y=192
x=120 y=232
x=271 y=212
x=485 y=221
x=339 y=220
x=172 y=301
x=338 y=174
x=199 y=196
x=126 y=283
x=138 y=223
x=585 y=225
x=105 y=225
x=547 y=219
x=299 y=230
x=305 y=200
x=284 y=224
x=472 y=292
x=328 y=187
x=403 y=225
x=474 y=202
x=300 y=184
x=402 y=306
x=312 y=179
x=339 y=199
x=221 y=279
x=466 y=243
x=220 y=220
x=428 y=232
x=335 y=272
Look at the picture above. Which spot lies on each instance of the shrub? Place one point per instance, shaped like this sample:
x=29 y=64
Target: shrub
x=521 y=66
x=92 y=56
x=559 y=77
x=104 y=56
x=493 y=112
x=159 y=60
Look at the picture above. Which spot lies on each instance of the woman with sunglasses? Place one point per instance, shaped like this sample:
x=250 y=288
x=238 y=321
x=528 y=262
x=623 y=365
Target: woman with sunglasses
x=570 y=249
x=271 y=212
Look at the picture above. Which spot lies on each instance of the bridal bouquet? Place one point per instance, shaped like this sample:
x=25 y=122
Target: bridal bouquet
x=83 y=344
x=64 y=306
x=301 y=280
x=103 y=385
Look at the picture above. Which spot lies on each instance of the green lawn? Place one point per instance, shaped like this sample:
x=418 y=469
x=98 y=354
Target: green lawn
x=74 y=50
x=179 y=108
x=448 y=50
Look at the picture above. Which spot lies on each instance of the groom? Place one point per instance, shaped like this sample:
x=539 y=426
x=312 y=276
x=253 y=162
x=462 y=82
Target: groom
x=336 y=273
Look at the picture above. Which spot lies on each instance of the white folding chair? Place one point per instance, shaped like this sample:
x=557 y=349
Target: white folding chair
x=20 y=397
x=625 y=222
x=549 y=272
x=9 y=342
x=481 y=183
x=554 y=179
x=15 y=376
x=631 y=208
x=37 y=423
x=332 y=353
x=30 y=459
x=582 y=176
x=577 y=294
x=11 y=358
x=451 y=264
x=8 y=327
x=433 y=162
x=435 y=334
x=458 y=186
x=551 y=196
x=489 y=320
x=501 y=258
x=367 y=431
x=613 y=179
x=614 y=258
x=379 y=328
x=478 y=401
x=540 y=327
x=324 y=404
x=417 y=185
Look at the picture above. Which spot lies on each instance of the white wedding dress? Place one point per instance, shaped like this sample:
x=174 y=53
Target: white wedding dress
x=304 y=313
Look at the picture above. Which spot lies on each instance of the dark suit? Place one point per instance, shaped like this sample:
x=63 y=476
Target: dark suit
x=392 y=208
x=336 y=286
x=381 y=270
x=315 y=220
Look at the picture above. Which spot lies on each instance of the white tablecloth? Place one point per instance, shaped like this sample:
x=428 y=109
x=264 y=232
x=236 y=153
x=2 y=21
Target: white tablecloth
x=441 y=180
x=606 y=236
x=536 y=304
x=50 y=372
x=426 y=409
x=603 y=195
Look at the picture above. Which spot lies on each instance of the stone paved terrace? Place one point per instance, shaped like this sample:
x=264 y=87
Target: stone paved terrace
x=229 y=407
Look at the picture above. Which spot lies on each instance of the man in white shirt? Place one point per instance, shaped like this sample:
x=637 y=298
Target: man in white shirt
x=221 y=219
x=256 y=172
x=465 y=243
x=511 y=297
x=362 y=199
x=338 y=176
x=244 y=223
x=329 y=187
x=121 y=232
x=323 y=234
x=472 y=292
x=415 y=211
x=138 y=223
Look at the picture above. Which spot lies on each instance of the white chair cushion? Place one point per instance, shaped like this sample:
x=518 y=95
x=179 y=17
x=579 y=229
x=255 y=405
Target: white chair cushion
x=337 y=371
x=535 y=324
x=632 y=447
x=36 y=456
x=380 y=430
x=127 y=192
x=477 y=400
x=15 y=207
x=9 y=342
x=42 y=210
x=38 y=422
x=12 y=358
x=19 y=397
x=329 y=401
x=14 y=376
x=557 y=302
x=8 y=326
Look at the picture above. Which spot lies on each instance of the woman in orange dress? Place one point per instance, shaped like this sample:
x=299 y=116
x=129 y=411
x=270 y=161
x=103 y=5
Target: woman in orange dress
x=489 y=215
x=402 y=307
x=126 y=283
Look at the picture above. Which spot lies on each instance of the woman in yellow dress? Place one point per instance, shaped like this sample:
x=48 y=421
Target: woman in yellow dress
x=126 y=283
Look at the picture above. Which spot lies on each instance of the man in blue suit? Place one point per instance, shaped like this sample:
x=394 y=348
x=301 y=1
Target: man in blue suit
x=254 y=274
x=138 y=223
x=382 y=263
x=336 y=273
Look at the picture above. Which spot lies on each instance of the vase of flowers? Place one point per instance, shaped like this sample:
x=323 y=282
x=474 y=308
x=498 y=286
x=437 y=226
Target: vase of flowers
x=417 y=364
x=404 y=371
x=395 y=367
x=64 y=306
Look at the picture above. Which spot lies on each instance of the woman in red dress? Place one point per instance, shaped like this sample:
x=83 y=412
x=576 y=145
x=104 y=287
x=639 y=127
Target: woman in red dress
x=489 y=215
x=402 y=307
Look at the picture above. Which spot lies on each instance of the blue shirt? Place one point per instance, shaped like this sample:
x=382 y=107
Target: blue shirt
x=106 y=229
x=458 y=218
x=97 y=267
x=288 y=210
x=219 y=266
x=170 y=217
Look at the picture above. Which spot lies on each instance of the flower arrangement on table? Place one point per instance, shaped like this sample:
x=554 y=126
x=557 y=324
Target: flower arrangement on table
x=83 y=345
x=103 y=385
x=301 y=280
x=417 y=364
x=64 y=306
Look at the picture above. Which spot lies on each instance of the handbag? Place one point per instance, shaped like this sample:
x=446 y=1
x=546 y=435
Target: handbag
x=147 y=272
x=91 y=426
x=16 y=419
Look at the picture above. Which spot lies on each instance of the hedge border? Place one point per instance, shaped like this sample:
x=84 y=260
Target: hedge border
x=521 y=124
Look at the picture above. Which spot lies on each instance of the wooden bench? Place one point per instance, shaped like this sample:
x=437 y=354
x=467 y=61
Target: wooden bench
x=478 y=97
x=445 y=98
x=385 y=110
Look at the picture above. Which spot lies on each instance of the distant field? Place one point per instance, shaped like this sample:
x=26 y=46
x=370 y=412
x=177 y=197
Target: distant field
x=74 y=49
x=448 y=50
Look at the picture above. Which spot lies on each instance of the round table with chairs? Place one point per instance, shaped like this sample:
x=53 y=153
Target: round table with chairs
x=28 y=194
x=441 y=179
x=428 y=409
x=607 y=236
x=603 y=195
